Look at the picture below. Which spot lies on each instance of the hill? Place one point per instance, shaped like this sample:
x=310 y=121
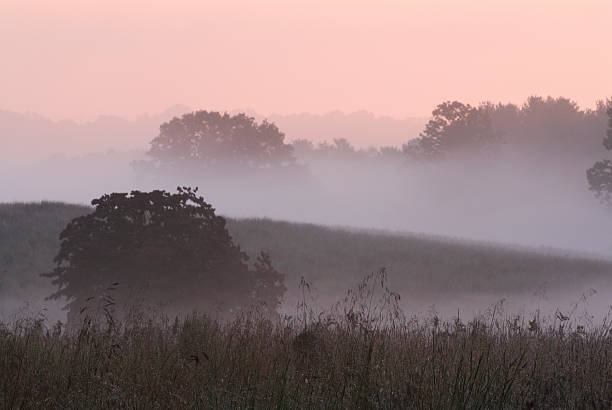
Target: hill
x=332 y=259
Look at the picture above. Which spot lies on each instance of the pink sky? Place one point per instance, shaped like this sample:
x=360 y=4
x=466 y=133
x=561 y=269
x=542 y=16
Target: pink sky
x=78 y=59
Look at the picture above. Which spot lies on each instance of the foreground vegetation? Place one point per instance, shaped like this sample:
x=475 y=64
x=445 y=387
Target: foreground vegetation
x=362 y=354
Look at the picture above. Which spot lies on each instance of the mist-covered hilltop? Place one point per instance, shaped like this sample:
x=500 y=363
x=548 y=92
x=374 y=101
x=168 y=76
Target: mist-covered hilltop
x=437 y=273
x=500 y=172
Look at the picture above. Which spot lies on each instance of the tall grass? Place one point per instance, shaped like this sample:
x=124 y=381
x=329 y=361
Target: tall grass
x=362 y=353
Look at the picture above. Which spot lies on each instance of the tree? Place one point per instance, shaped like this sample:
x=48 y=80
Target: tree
x=600 y=175
x=211 y=139
x=174 y=245
x=454 y=127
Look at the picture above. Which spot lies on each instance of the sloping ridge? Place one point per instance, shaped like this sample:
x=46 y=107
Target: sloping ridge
x=333 y=258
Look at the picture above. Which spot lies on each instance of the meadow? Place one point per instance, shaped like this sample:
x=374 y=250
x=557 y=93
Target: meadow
x=365 y=351
x=364 y=354
x=331 y=259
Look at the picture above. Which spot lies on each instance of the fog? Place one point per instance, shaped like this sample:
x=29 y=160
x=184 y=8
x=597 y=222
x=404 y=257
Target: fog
x=586 y=304
x=507 y=198
x=515 y=196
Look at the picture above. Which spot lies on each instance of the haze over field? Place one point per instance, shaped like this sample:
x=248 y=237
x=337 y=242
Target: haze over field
x=531 y=191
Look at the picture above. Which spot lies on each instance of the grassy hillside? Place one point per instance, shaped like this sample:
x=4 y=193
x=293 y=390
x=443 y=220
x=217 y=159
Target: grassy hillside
x=29 y=239
x=416 y=263
x=332 y=259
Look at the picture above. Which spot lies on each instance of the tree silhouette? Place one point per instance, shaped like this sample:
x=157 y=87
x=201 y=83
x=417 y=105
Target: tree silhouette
x=211 y=139
x=171 y=244
x=454 y=127
x=600 y=175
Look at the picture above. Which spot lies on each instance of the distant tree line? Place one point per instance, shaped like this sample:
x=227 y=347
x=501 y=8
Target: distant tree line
x=204 y=140
x=540 y=131
x=551 y=126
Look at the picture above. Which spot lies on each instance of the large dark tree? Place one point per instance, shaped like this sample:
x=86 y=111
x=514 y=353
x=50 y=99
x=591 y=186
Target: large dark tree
x=600 y=175
x=170 y=246
x=454 y=128
x=211 y=139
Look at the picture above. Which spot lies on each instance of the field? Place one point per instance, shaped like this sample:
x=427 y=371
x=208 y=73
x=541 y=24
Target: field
x=421 y=268
x=363 y=352
x=367 y=357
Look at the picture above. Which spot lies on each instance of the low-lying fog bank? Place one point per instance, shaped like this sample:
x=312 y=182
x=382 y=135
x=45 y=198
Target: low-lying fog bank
x=587 y=305
x=505 y=200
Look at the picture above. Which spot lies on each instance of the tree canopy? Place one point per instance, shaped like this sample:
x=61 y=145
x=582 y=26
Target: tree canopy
x=173 y=246
x=454 y=127
x=209 y=139
x=600 y=175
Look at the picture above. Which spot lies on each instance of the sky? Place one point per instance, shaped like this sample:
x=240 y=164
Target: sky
x=77 y=59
